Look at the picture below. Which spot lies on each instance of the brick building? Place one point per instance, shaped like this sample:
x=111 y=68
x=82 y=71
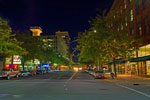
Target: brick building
x=137 y=17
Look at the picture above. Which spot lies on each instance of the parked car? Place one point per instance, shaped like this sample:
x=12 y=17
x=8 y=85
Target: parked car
x=32 y=73
x=9 y=74
x=25 y=73
x=1 y=73
x=91 y=73
x=99 y=75
x=39 y=72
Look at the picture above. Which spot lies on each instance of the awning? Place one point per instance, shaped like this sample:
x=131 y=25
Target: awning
x=140 y=59
x=117 y=62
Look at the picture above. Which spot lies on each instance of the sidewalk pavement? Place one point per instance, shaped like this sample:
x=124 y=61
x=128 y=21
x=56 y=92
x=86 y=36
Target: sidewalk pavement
x=129 y=79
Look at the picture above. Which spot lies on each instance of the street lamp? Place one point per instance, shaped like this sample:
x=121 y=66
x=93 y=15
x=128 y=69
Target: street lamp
x=94 y=31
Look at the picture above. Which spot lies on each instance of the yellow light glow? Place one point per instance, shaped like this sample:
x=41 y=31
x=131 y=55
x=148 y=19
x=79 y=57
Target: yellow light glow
x=75 y=69
x=80 y=68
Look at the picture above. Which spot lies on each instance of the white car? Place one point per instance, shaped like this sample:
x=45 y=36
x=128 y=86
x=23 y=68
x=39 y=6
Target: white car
x=9 y=74
x=25 y=73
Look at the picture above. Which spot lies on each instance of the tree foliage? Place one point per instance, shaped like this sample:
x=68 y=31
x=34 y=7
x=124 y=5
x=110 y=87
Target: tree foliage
x=8 y=43
x=107 y=38
x=37 y=48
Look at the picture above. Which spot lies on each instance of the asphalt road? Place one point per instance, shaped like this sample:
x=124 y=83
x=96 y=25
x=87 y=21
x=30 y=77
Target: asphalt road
x=68 y=86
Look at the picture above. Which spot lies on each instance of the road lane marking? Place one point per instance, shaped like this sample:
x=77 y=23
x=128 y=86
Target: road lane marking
x=139 y=92
x=72 y=76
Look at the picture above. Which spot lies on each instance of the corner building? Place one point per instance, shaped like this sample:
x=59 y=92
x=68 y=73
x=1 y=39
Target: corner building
x=137 y=24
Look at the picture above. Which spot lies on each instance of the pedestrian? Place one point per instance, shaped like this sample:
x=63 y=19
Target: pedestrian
x=112 y=75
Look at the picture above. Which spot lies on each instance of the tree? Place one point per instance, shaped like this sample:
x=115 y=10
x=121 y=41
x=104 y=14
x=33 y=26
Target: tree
x=33 y=46
x=106 y=40
x=8 y=44
x=38 y=48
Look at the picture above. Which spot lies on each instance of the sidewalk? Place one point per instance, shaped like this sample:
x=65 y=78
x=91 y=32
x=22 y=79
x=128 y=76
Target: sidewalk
x=130 y=79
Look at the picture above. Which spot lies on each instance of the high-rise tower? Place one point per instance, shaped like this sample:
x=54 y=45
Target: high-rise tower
x=36 y=31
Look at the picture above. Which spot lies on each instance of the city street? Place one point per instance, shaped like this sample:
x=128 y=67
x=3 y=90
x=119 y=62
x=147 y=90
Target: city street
x=69 y=86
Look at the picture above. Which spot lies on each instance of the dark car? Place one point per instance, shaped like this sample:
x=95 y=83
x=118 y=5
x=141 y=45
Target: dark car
x=40 y=72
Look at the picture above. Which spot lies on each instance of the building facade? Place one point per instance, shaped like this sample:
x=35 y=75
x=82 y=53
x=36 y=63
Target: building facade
x=66 y=38
x=36 y=31
x=137 y=17
x=51 y=41
x=60 y=42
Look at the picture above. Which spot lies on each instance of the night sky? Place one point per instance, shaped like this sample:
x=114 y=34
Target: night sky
x=52 y=15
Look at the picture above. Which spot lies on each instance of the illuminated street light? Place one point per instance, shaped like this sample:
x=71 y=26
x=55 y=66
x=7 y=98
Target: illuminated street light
x=94 y=31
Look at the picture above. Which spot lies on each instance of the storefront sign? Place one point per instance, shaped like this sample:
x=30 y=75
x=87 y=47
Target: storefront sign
x=36 y=61
x=17 y=59
x=8 y=60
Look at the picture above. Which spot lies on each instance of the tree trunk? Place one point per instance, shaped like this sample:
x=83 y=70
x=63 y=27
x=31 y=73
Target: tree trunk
x=114 y=62
x=23 y=66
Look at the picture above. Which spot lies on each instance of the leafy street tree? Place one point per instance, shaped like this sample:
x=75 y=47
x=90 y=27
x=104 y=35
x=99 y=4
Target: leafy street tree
x=37 y=48
x=8 y=44
x=106 y=40
x=33 y=46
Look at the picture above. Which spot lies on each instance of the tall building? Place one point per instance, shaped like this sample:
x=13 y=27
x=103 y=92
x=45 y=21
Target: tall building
x=57 y=43
x=137 y=16
x=65 y=36
x=60 y=42
x=62 y=47
x=50 y=40
x=36 y=31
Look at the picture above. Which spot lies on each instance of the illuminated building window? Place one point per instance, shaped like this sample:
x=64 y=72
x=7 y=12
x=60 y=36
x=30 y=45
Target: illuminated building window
x=118 y=29
x=121 y=27
x=132 y=31
x=51 y=39
x=139 y=32
x=114 y=17
x=125 y=4
x=63 y=36
x=130 y=1
x=126 y=21
x=131 y=15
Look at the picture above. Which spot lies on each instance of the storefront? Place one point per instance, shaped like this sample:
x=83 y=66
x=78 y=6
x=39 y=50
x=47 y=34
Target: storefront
x=148 y=67
x=11 y=66
x=30 y=66
x=121 y=68
x=12 y=62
